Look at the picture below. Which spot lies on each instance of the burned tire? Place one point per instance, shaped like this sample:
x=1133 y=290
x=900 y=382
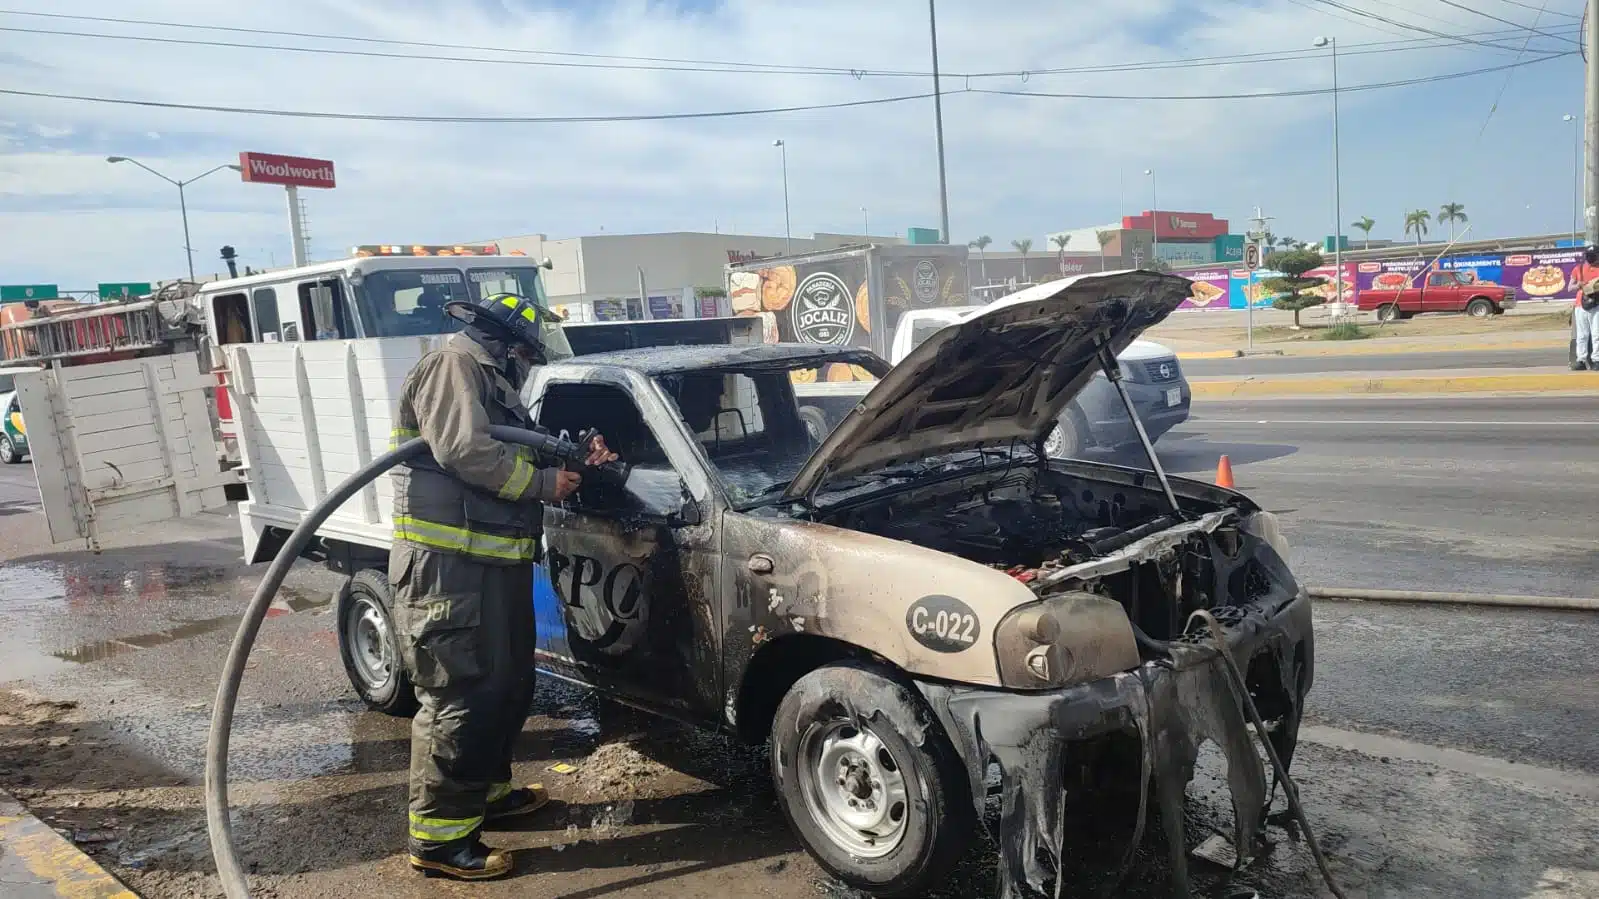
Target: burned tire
x=875 y=809
x=370 y=646
x=1388 y=313
x=1480 y=308
x=10 y=456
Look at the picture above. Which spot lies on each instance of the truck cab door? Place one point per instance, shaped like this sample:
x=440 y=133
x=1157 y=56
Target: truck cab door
x=633 y=570
x=1440 y=293
x=128 y=443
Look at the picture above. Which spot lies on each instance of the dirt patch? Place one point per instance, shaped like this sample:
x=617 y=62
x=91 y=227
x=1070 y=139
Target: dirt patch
x=618 y=771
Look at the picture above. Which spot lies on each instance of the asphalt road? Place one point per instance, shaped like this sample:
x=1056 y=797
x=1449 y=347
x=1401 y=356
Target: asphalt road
x=1281 y=365
x=1488 y=495
x=1446 y=753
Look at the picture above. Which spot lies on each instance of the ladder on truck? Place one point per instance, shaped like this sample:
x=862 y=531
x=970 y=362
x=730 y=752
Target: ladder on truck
x=118 y=328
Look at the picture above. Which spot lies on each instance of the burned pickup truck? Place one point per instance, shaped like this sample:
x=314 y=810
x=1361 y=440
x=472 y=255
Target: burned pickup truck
x=921 y=597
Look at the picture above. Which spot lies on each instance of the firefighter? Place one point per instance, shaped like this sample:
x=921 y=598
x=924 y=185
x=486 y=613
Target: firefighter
x=467 y=522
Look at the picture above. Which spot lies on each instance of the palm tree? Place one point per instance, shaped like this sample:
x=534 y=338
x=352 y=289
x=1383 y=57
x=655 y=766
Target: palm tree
x=1416 y=223
x=1365 y=224
x=1105 y=237
x=981 y=244
x=1287 y=243
x=1451 y=213
x=1023 y=246
x=1060 y=241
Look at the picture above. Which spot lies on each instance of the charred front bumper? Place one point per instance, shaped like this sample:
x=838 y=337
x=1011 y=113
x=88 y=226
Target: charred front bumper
x=1161 y=712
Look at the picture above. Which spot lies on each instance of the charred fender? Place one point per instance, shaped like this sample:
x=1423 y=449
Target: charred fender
x=925 y=611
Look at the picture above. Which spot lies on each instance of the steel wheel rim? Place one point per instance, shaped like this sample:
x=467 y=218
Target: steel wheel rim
x=369 y=643
x=1055 y=443
x=854 y=788
x=1479 y=311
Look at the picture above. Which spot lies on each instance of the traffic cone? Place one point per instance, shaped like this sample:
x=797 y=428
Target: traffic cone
x=1224 y=473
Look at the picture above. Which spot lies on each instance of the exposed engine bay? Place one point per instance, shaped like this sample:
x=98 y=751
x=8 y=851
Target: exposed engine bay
x=1057 y=531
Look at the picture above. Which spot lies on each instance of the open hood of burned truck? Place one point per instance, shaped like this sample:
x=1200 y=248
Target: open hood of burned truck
x=1002 y=375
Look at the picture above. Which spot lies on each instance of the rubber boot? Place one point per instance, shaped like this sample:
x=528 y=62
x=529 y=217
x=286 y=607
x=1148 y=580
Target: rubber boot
x=521 y=801
x=465 y=859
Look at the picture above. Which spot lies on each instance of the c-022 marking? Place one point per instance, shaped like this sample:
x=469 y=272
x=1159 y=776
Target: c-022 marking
x=943 y=624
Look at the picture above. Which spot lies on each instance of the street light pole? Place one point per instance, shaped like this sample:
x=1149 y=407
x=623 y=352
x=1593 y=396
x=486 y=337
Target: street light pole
x=1154 y=217
x=866 y=223
x=1338 y=186
x=183 y=203
x=938 y=124
x=1591 y=122
x=788 y=235
x=1576 y=175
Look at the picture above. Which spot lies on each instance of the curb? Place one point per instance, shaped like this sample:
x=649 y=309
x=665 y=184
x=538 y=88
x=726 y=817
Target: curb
x=1253 y=387
x=1563 y=603
x=38 y=863
x=1367 y=348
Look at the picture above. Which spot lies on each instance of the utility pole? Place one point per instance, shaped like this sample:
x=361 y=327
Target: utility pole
x=1591 y=109
x=938 y=123
x=1259 y=238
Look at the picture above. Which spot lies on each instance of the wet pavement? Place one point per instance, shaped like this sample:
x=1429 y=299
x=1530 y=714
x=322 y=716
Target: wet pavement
x=108 y=664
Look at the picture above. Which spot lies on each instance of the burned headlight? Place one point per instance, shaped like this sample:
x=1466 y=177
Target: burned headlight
x=1068 y=639
x=1264 y=527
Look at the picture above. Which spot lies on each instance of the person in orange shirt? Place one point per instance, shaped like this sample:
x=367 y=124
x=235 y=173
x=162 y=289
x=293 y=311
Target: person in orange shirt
x=1585 y=317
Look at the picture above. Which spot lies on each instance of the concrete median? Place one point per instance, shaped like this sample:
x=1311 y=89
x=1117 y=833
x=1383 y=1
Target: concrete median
x=1355 y=383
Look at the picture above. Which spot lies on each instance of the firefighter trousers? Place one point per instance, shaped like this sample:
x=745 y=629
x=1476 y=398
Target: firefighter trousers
x=467 y=636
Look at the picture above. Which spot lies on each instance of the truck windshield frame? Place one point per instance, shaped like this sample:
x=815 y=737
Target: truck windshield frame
x=409 y=302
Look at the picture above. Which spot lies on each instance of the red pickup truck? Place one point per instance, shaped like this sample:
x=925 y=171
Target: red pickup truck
x=1437 y=292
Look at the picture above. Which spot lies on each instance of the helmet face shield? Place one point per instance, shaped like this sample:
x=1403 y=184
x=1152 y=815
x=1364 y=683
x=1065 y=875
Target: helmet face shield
x=553 y=337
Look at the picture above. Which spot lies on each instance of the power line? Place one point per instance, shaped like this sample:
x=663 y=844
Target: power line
x=378 y=54
x=1154 y=65
x=1550 y=12
x=1303 y=92
x=653 y=63
x=1372 y=47
x=1409 y=25
x=546 y=120
x=445 y=46
x=1531 y=29
x=483 y=120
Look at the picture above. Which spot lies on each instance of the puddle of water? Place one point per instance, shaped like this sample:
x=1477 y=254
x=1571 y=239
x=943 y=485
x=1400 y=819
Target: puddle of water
x=77 y=611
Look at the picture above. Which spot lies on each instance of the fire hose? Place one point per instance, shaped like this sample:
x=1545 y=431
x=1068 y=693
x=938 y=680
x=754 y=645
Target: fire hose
x=218 y=822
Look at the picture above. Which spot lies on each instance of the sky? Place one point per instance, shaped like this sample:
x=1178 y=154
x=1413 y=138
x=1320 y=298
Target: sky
x=1019 y=164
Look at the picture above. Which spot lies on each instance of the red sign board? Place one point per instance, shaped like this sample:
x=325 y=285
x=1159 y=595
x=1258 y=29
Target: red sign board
x=296 y=171
x=1177 y=225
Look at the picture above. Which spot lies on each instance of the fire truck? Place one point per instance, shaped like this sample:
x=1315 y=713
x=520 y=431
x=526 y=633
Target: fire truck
x=137 y=398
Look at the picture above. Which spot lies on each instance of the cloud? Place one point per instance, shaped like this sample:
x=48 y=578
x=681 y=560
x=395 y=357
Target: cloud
x=1018 y=166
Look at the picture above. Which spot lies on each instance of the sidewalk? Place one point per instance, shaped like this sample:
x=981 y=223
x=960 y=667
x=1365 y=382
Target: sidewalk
x=38 y=863
x=1427 y=381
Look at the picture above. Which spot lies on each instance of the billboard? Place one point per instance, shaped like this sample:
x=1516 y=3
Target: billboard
x=1394 y=274
x=1479 y=268
x=290 y=171
x=1542 y=275
x=1209 y=291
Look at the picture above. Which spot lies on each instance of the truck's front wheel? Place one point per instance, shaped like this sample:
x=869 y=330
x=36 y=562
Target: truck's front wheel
x=370 y=646
x=1480 y=308
x=882 y=813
